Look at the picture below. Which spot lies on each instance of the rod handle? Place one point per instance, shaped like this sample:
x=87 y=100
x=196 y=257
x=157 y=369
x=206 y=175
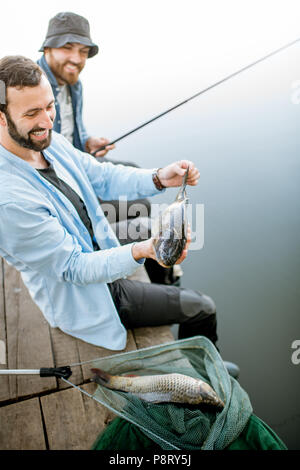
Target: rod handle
x=103 y=147
x=61 y=372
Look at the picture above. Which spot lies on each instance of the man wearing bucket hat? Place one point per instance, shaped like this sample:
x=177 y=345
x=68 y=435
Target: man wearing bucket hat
x=66 y=47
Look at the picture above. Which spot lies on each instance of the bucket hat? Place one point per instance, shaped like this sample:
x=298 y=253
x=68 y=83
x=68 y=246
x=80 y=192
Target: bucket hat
x=69 y=27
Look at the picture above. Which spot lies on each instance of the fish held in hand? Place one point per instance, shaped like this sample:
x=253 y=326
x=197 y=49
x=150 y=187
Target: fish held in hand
x=169 y=229
x=172 y=388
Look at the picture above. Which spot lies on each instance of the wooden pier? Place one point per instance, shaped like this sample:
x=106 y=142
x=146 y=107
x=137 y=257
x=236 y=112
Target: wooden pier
x=45 y=413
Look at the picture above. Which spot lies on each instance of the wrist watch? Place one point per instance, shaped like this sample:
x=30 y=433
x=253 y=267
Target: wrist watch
x=157 y=183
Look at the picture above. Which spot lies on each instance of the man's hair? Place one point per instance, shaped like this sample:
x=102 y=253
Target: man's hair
x=19 y=72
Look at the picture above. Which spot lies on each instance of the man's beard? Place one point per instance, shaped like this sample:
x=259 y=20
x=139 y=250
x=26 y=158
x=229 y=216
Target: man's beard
x=66 y=77
x=27 y=142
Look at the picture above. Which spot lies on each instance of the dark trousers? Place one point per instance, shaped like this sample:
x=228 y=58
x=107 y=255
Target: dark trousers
x=141 y=304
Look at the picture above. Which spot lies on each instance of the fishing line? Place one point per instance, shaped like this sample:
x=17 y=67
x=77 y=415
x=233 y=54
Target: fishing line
x=219 y=82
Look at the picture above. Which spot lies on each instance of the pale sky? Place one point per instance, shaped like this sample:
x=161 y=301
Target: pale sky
x=153 y=54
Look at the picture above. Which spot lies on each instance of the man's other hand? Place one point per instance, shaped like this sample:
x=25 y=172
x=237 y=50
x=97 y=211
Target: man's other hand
x=93 y=143
x=145 y=248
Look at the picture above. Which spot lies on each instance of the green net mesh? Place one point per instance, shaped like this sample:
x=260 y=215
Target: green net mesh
x=176 y=426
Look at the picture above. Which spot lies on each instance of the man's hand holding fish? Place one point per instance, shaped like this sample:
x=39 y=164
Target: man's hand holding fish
x=145 y=249
x=171 y=234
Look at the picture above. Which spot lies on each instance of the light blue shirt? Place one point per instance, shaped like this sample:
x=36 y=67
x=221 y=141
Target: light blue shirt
x=43 y=237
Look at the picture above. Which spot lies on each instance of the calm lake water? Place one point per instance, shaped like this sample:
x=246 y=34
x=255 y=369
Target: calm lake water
x=244 y=137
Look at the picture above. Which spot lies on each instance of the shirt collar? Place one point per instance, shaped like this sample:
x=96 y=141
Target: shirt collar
x=46 y=68
x=19 y=162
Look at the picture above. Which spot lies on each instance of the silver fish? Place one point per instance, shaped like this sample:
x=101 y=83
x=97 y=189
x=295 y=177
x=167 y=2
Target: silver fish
x=175 y=388
x=169 y=229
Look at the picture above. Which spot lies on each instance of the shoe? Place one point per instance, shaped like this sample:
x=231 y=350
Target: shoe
x=176 y=282
x=177 y=270
x=232 y=369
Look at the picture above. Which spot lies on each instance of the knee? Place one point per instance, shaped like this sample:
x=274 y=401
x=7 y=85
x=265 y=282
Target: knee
x=193 y=302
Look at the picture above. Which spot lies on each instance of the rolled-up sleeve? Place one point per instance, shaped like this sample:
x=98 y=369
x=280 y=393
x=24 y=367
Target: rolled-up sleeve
x=36 y=238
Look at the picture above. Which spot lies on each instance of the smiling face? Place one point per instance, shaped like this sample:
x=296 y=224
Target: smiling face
x=30 y=115
x=67 y=62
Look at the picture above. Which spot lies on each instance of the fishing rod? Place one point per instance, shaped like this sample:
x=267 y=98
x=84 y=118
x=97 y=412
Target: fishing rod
x=60 y=372
x=219 y=82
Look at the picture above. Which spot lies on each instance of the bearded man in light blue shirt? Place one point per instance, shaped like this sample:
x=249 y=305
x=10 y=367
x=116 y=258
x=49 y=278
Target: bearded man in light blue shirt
x=53 y=230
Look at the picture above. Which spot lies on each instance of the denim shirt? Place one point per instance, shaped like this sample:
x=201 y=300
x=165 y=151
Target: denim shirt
x=43 y=237
x=80 y=135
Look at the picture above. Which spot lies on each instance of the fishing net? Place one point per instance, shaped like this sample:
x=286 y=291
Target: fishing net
x=122 y=435
x=178 y=426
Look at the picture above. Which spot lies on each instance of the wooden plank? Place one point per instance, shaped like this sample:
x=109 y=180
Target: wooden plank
x=28 y=337
x=152 y=336
x=89 y=352
x=69 y=350
x=72 y=420
x=66 y=352
x=4 y=381
x=21 y=426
